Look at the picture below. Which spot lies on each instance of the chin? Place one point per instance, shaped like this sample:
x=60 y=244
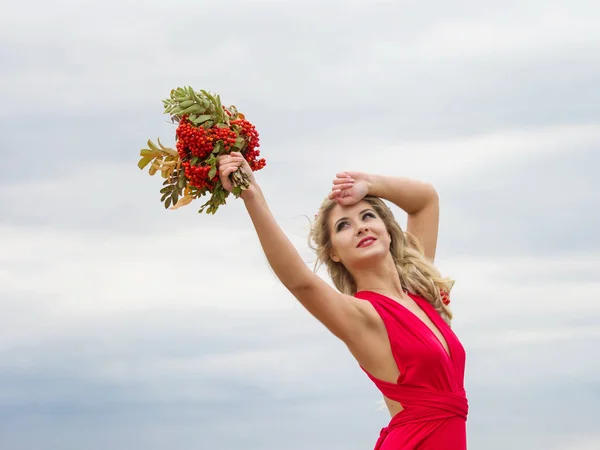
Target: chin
x=370 y=258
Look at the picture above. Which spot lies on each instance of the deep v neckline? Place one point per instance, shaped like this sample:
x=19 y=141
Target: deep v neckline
x=416 y=299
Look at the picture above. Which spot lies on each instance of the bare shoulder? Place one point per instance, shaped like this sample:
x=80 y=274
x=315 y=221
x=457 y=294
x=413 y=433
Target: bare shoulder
x=368 y=313
x=369 y=322
x=370 y=346
x=345 y=316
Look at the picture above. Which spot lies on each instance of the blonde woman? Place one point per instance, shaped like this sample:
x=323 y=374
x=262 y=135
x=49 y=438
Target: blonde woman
x=391 y=304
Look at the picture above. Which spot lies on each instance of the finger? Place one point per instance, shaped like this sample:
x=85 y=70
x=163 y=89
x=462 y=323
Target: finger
x=230 y=157
x=223 y=167
x=343 y=175
x=232 y=162
x=236 y=161
x=229 y=171
x=340 y=181
x=334 y=194
x=344 y=186
x=223 y=160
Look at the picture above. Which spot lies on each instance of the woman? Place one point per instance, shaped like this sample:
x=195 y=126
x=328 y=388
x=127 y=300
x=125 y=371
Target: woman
x=391 y=311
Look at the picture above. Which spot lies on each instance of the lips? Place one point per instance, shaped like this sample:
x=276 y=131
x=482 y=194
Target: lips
x=366 y=241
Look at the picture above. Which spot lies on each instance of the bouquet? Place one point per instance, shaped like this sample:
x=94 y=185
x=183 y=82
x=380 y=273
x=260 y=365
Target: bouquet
x=206 y=129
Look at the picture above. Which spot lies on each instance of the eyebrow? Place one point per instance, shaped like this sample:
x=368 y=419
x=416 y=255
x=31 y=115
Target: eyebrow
x=345 y=218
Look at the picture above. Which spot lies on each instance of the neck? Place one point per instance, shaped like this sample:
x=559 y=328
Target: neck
x=381 y=278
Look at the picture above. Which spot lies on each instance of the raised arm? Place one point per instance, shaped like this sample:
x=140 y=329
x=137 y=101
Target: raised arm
x=420 y=201
x=341 y=314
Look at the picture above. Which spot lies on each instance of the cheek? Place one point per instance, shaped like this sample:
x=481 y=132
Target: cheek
x=386 y=235
x=339 y=244
x=335 y=246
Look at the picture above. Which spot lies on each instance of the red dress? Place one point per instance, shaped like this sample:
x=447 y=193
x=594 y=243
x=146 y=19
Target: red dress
x=431 y=382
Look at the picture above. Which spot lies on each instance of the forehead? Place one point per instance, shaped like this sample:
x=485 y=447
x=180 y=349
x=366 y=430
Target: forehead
x=348 y=211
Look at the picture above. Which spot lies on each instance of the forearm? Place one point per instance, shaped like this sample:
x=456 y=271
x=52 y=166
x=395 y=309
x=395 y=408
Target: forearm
x=410 y=195
x=281 y=254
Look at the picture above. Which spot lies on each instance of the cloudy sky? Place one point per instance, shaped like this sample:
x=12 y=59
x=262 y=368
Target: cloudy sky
x=125 y=326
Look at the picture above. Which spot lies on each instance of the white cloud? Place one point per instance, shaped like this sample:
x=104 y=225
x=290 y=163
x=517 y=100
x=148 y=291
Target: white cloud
x=446 y=161
x=583 y=443
x=156 y=44
x=100 y=288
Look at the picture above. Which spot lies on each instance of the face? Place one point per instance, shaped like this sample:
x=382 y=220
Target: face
x=358 y=235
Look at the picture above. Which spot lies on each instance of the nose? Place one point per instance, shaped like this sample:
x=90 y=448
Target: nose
x=362 y=229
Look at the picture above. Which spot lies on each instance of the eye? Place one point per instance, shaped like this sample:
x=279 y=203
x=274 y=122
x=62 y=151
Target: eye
x=340 y=226
x=369 y=214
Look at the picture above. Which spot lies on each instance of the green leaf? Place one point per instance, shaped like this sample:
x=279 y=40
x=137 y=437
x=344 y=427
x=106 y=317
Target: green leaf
x=240 y=142
x=219 y=148
x=203 y=207
x=213 y=172
x=166 y=189
x=194 y=160
x=165 y=195
x=219 y=108
x=168 y=202
x=192 y=118
x=202 y=119
x=142 y=163
x=181 y=183
x=210 y=97
x=237 y=191
x=175 y=197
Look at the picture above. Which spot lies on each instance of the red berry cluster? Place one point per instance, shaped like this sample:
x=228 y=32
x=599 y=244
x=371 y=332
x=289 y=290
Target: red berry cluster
x=251 y=152
x=199 y=142
x=198 y=176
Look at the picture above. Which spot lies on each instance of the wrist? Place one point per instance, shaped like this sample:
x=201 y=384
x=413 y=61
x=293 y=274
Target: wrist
x=408 y=194
x=373 y=185
x=251 y=193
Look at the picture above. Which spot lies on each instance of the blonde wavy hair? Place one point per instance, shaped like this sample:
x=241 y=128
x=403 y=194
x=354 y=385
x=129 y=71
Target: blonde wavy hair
x=417 y=273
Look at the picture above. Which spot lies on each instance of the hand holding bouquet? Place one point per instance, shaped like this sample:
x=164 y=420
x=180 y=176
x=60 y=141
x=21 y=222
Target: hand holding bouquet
x=206 y=130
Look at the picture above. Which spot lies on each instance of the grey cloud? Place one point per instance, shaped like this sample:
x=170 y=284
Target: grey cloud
x=294 y=83
x=530 y=417
x=83 y=101
x=516 y=399
x=544 y=207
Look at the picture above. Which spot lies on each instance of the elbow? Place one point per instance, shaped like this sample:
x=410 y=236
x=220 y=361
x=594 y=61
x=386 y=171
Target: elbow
x=432 y=192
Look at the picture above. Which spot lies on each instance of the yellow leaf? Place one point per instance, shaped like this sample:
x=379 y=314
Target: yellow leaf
x=154 y=168
x=169 y=150
x=185 y=200
x=142 y=163
x=146 y=152
x=153 y=146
